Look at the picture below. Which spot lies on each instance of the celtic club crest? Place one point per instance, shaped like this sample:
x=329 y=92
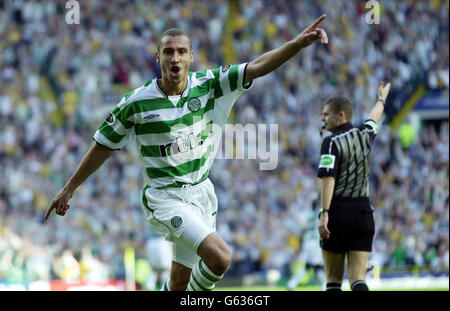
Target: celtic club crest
x=194 y=104
x=176 y=221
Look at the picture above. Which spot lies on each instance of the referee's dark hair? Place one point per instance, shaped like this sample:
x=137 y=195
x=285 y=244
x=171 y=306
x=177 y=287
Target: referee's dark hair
x=340 y=103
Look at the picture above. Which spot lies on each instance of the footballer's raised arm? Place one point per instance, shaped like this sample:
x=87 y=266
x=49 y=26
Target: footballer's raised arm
x=271 y=60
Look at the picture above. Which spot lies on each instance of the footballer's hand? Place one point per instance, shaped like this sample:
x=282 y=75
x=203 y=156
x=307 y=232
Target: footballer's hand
x=312 y=34
x=59 y=204
x=323 y=226
x=383 y=90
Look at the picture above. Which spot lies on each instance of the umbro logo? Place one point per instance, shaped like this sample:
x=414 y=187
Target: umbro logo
x=151 y=116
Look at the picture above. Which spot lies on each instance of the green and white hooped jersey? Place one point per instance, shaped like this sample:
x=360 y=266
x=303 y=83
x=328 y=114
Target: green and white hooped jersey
x=177 y=143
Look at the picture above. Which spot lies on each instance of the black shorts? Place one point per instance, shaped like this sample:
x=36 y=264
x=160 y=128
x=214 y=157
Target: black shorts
x=351 y=225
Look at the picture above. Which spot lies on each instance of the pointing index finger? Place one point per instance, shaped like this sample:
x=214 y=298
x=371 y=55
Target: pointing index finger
x=318 y=21
x=49 y=211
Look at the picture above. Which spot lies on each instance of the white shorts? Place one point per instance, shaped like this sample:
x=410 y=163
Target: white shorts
x=183 y=215
x=159 y=253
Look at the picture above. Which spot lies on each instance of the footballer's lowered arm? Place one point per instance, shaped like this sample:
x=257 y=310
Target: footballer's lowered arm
x=93 y=159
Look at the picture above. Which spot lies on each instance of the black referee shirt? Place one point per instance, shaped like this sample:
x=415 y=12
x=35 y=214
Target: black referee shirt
x=345 y=156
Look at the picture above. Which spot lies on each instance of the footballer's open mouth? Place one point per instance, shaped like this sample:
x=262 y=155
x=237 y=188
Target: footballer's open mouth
x=175 y=70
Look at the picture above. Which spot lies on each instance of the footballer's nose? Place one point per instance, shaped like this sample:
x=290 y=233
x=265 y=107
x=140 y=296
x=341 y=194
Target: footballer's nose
x=175 y=58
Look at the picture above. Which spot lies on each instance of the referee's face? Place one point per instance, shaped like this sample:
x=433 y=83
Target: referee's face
x=175 y=57
x=329 y=118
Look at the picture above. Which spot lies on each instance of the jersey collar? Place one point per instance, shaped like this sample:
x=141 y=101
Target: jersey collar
x=343 y=127
x=185 y=92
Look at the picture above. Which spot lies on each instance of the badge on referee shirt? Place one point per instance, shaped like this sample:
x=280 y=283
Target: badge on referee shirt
x=327 y=161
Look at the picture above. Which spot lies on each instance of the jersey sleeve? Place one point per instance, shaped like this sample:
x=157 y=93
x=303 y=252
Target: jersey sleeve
x=118 y=128
x=229 y=85
x=372 y=127
x=369 y=131
x=328 y=164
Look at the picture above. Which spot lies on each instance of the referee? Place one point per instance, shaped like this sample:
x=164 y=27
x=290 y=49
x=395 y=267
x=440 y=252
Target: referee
x=346 y=222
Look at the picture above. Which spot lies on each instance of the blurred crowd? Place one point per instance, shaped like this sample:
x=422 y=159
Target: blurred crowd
x=59 y=80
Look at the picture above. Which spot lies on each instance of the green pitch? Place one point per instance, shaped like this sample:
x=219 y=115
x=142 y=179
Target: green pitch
x=312 y=288
x=267 y=288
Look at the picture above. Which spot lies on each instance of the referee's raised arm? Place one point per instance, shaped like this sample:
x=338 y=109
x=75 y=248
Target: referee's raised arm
x=273 y=59
x=377 y=110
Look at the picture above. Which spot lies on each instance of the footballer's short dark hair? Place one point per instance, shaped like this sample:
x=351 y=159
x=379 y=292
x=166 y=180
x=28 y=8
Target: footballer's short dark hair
x=340 y=103
x=173 y=32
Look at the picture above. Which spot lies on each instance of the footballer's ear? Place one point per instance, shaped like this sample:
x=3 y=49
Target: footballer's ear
x=157 y=57
x=342 y=116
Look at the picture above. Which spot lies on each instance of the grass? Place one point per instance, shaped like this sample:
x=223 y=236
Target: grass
x=312 y=288
x=267 y=288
